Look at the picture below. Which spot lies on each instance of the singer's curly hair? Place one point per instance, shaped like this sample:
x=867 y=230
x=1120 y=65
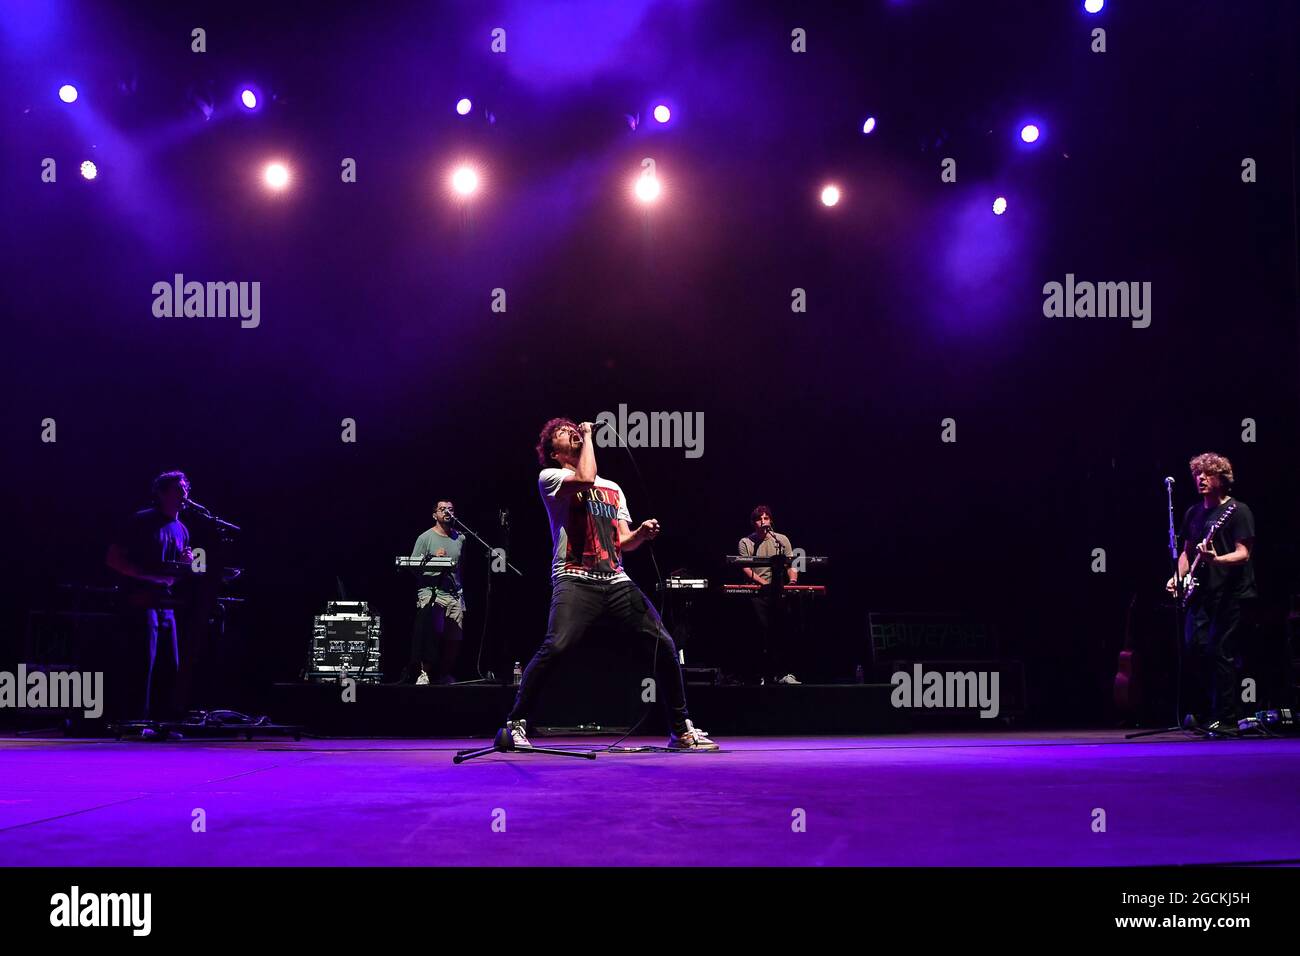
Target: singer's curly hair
x=545 y=441
x=1212 y=464
x=758 y=512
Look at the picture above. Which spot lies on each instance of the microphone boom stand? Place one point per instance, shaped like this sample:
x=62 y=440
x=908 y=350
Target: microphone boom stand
x=1180 y=629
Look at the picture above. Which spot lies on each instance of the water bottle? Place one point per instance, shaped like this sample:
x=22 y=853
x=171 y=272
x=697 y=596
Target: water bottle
x=519 y=674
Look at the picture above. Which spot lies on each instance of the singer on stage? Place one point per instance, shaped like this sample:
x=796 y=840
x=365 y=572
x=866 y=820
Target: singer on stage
x=590 y=530
x=1226 y=584
x=141 y=552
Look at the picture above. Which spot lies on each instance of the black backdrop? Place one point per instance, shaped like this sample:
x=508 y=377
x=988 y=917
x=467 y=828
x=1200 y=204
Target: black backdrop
x=921 y=305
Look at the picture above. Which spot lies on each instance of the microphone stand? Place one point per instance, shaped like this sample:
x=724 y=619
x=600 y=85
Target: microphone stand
x=487 y=597
x=456 y=522
x=1180 y=629
x=503 y=743
x=221 y=523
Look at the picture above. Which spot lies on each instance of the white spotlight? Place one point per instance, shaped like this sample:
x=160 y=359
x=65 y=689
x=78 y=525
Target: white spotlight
x=464 y=180
x=276 y=176
x=647 y=188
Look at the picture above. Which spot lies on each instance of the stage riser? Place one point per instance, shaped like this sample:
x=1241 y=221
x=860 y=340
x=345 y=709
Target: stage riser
x=477 y=710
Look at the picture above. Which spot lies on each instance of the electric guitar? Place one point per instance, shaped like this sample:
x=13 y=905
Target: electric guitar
x=1189 y=583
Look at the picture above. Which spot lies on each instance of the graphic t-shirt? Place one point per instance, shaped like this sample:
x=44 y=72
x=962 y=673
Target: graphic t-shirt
x=1237 y=580
x=584 y=527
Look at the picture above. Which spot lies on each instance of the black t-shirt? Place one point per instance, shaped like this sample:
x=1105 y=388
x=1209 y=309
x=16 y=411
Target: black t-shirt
x=150 y=538
x=1236 y=580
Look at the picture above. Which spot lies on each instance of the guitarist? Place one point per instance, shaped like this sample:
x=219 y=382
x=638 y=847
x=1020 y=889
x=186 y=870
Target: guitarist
x=1225 y=579
x=141 y=551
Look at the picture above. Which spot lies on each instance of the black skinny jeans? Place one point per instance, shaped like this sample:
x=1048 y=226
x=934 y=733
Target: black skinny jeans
x=1213 y=636
x=577 y=604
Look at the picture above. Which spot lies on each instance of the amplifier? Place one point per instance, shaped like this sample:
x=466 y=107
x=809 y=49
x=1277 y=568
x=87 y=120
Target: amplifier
x=684 y=584
x=708 y=676
x=345 y=645
x=347 y=607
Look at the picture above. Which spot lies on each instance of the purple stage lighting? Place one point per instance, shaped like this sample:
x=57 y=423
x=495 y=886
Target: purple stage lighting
x=463 y=106
x=662 y=113
x=870 y=125
x=248 y=98
x=999 y=205
x=68 y=93
x=89 y=170
x=1093 y=6
x=830 y=195
x=1029 y=133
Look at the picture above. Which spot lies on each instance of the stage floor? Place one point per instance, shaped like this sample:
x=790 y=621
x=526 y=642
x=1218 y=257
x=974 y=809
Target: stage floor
x=1010 y=798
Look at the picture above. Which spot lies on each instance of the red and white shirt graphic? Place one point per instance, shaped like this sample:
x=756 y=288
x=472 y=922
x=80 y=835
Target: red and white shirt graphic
x=584 y=526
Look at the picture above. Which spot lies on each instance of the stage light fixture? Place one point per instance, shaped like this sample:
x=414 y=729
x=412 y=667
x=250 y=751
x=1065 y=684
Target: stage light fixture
x=1029 y=133
x=463 y=106
x=276 y=176
x=870 y=125
x=830 y=195
x=68 y=93
x=249 y=98
x=464 y=180
x=648 y=188
x=1093 y=6
x=999 y=205
x=662 y=113
x=89 y=170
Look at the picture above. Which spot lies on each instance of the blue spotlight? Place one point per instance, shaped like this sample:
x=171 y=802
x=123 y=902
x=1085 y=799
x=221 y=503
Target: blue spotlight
x=870 y=125
x=89 y=170
x=1093 y=6
x=249 y=98
x=68 y=93
x=463 y=106
x=662 y=113
x=999 y=205
x=1029 y=133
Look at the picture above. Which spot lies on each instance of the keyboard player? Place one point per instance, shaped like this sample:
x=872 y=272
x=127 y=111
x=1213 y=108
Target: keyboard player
x=771 y=615
x=439 y=603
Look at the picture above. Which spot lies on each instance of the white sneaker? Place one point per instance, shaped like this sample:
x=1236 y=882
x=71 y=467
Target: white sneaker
x=518 y=734
x=692 y=739
x=422 y=679
x=787 y=679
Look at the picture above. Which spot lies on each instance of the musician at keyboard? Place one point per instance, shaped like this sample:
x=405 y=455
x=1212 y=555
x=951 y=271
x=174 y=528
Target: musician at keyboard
x=765 y=542
x=439 y=603
x=141 y=551
x=770 y=661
